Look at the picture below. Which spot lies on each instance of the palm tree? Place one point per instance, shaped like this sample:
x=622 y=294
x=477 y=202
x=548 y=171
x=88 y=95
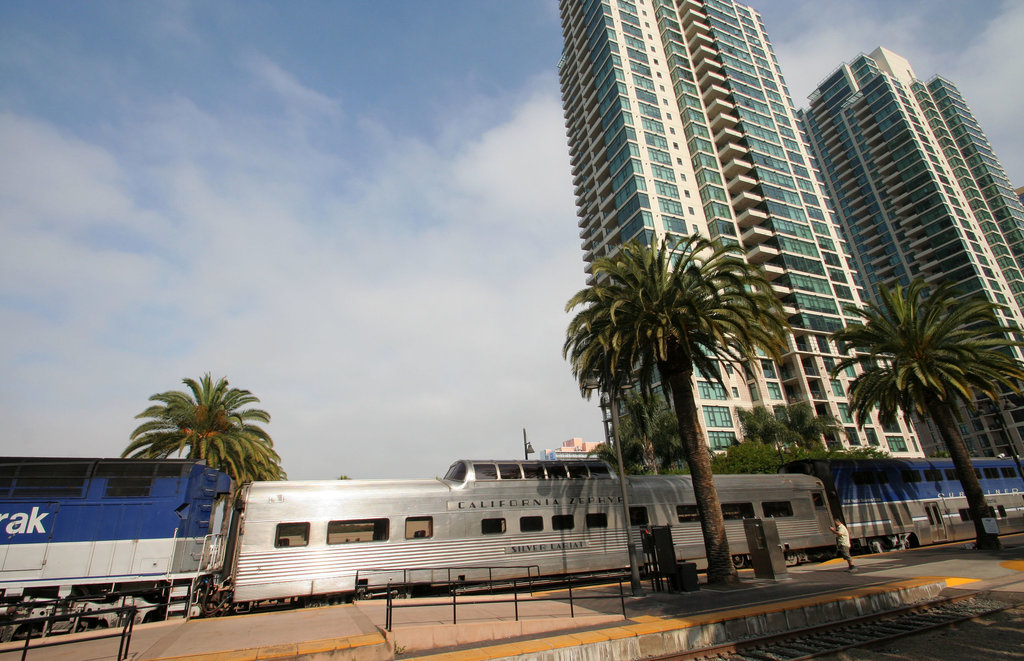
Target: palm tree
x=929 y=356
x=650 y=422
x=208 y=423
x=669 y=311
x=805 y=428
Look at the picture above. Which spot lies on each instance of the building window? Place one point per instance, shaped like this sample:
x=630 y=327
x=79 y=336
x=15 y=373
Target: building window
x=717 y=416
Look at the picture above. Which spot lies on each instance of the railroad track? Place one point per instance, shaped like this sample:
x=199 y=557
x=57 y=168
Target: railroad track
x=850 y=634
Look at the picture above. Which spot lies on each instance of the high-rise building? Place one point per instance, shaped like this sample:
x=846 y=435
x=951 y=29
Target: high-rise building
x=920 y=194
x=679 y=121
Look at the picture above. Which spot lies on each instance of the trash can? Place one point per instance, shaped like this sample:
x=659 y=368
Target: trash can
x=686 y=577
x=766 y=552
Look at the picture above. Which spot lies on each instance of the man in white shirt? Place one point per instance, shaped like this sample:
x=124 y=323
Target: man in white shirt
x=842 y=534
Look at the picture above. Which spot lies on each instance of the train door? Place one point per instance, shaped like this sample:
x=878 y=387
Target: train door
x=937 y=522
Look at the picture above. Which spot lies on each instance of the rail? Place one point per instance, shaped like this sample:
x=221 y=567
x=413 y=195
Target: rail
x=408 y=575
x=125 y=614
x=456 y=588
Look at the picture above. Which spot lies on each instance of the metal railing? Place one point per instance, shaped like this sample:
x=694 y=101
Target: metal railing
x=475 y=572
x=125 y=615
x=517 y=585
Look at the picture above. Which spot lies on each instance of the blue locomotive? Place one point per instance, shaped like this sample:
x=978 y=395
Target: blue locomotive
x=902 y=503
x=87 y=529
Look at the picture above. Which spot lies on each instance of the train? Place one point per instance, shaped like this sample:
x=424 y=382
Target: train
x=892 y=504
x=85 y=530
x=175 y=537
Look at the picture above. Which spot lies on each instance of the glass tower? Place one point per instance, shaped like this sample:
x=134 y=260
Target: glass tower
x=920 y=194
x=679 y=121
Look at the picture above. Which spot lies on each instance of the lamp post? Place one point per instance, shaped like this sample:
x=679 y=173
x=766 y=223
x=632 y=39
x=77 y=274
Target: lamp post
x=613 y=401
x=527 y=447
x=995 y=407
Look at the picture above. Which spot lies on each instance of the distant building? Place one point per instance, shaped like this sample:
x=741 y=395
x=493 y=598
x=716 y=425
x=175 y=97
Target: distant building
x=574 y=448
x=1020 y=194
x=920 y=194
x=679 y=122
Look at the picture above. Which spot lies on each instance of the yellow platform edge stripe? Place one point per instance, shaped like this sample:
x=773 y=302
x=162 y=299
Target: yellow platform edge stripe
x=648 y=624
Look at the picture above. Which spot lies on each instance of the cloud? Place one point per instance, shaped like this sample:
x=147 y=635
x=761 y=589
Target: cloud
x=814 y=37
x=392 y=314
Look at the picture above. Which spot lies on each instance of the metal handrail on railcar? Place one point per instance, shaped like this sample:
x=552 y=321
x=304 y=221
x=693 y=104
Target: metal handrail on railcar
x=456 y=587
x=407 y=574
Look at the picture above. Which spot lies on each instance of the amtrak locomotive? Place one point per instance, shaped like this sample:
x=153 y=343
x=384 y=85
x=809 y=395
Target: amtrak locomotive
x=900 y=503
x=91 y=528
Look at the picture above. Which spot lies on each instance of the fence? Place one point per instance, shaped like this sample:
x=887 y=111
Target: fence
x=457 y=588
x=125 y=615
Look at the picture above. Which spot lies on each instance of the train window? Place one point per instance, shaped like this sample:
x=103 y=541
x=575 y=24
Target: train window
x=777 y=509
x=556 y=471
x=950 y=473
x=485 y=471
x=1002 y=511
x=977 y=471
x=863 y=477
x=578 y=471
x=599 y=470
x=818 y=499
x=533 y=471
x=992 y=473
x=932 y=475
x=531 y=523
x=687 y=513
x=965 y=515
x=1008 y=471
x=910 y=475
x=457 y=473
x=882 y=477
x=597 y=520
x=563 y=522
x=492 y=526
x=357 y=530
x=419 y=527
x=126 y=481
x=510 y=472
x=291 y=534
x=638 y=516
x=734 y=511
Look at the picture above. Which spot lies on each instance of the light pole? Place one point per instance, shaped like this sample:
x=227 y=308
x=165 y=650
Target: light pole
x=613 y=401
x=995 y=407
x=527 y=447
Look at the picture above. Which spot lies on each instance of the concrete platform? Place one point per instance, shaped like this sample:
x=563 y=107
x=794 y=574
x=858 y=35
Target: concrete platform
x=655 y=623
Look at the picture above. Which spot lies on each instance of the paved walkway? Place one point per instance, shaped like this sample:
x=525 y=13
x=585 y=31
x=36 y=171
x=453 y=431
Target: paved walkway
x=488 y=630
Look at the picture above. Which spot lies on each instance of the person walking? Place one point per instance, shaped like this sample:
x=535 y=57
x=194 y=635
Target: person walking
x=842 y=534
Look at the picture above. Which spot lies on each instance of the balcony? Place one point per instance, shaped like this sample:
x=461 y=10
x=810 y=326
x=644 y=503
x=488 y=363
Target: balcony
x=715 y=92
x=723 y=121
x=736 y=166
x=772 y=271
x=740 y=183
x=745 y=200
x=731 y=151
x=761 y=254
x=755 y=236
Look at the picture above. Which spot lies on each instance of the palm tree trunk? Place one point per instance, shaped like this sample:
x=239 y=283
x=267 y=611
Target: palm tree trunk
x=650 y=461
x=698 y=456
x=943 y=418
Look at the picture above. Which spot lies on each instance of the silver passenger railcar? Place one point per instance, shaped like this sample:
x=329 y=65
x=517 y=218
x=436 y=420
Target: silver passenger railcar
x=310 y=540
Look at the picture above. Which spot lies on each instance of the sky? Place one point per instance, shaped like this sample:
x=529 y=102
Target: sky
x=360 y=212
